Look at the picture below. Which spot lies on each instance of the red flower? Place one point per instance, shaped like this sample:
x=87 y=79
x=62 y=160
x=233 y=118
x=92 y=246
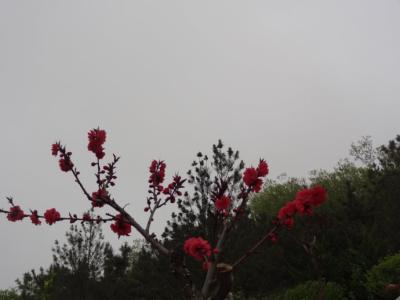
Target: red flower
x=223 y=202
x=250 y=178
x=153 y=166
x=157 y=173
x=99 y=197
x=303 y=207
x=35 y=218
x=86 y=217
x=318 y=195
x=121 y=226
x=51 y=216
x=286 y=214
x=65 y=164
x=15 y=214
x=288 y=211
x=197 y=248
x=304 y=202
x=262 y=168
x=289 y=222
x=257 y=185
x=173 y=188
x=55 y=148
x=97 y=138
x=307 y=198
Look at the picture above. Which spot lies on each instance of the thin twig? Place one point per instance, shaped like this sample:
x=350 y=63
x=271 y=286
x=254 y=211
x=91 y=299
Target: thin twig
x=255 y=246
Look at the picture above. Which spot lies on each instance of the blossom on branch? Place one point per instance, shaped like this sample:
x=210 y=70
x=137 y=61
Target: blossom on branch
x=262 y=169
x=55 y=148
x=173 y=188
x=86 y=217
x=97 y=138
x=252 y=176
x=307 y=198
x=304 y=202
x=157 y=173
x=287 y=211
x=51 y=216
x=35 y=218
x=222 y=203
x=15 y=214
x=99 y=197
x=198 y=248
x=65 y=164
x=121 y=226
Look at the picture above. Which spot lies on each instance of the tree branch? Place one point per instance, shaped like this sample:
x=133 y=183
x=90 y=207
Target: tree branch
x=211 y=271
x=255 y=246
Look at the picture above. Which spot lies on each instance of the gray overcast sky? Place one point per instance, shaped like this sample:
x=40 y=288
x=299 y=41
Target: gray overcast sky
x=294 y=82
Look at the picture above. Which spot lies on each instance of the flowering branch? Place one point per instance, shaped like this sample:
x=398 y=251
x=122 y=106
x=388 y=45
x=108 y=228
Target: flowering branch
x=149 y=238
x=155 y=201
x=223 y=200
x=303 y=203
x=253 y=179
x=51 y=216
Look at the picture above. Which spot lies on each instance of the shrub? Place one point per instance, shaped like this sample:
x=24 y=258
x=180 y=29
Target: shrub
x=386 y=272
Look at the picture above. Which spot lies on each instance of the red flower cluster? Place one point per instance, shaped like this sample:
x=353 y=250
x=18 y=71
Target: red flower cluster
x=99 y=197
x=97 y=138
x=65 y=164
x=305 y=200
x=55 y=148
x=173 y=188
x=308 y=198
x=252 y=176
x=35 y=218
x=197 y=248
x=51 y=216
x=222 y=203
x=121 y=226
x=157 y=173
x=15 y=214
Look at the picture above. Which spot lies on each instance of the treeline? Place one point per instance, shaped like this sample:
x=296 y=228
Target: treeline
x=348 y=249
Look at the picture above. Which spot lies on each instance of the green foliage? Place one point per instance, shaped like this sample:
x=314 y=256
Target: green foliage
x=196 y=215
x=314 y=290
x=196 y=212
x=384 y=273
x=389 y=156
x=355 y=228
x=9 y=294
x=364 y=151
x=76 y=267
x=84 y=251
x=309 y=290
x=34 y=286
